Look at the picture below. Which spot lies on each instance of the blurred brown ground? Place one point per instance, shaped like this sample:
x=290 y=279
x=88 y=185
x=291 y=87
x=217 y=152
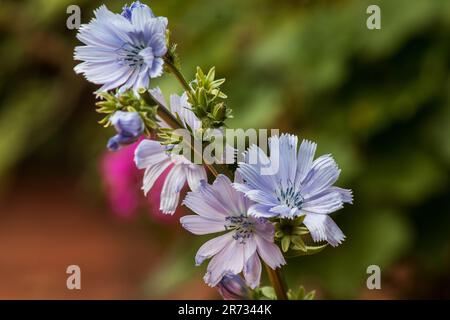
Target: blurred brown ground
x=45 y=227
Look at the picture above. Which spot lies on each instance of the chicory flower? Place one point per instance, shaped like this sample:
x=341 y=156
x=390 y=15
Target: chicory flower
x=246 y=239
x=122 y=50
x=302 y=186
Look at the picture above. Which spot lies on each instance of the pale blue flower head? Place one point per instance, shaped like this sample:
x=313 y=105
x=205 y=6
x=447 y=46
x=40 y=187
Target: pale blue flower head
x=301 y=186
x=122 y=51
x=233 y=287
x=244 y=240
x=129 y=127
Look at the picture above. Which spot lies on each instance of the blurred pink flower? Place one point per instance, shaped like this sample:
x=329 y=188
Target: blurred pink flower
x=122 y=182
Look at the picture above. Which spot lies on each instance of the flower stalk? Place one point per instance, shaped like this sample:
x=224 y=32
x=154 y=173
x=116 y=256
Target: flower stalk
x=167 y=116
x=177 y=73
x=275 y=276
x=174 y=123
x=277 y=281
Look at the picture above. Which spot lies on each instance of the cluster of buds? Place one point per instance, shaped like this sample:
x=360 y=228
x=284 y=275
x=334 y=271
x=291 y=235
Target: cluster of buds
x=128 y=102
x=207 y=99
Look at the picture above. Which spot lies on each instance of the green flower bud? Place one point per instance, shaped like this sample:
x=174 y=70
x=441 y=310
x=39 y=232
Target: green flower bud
x=219 y=112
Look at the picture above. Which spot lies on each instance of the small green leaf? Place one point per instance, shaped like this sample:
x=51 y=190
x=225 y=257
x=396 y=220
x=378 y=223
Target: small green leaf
x=310 y=250
x=278 y=234
x=291 y=295
x=200 y=76
x=211 y=75
x=301 y=231
x=298 y=243
x=285 y=243
x=217 y=83
x=301 y=292
x=268 y=292
x=310 y=295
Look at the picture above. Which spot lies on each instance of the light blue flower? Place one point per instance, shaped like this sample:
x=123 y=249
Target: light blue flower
x=302 y=186
x=220 y=208
x=122 y=51
x=155 y=158
x=129 y=127
x=233 y=287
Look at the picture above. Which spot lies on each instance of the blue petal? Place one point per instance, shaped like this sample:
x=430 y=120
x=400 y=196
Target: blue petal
x=323 y=228
x=118 y=140
x=140 y=16
x=232 y=287
x=127 y=11
x=304 y=161
x=283 y=149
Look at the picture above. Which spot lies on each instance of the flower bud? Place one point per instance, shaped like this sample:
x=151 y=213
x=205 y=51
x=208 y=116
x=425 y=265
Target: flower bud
x=129 y=127
x=219 y=112
x=232 y=287
x=127 y=10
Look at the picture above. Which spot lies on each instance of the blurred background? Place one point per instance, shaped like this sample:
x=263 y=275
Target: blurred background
x=379 y=100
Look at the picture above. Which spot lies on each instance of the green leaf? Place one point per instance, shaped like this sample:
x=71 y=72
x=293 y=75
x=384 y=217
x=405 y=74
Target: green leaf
x=299 y=244
x=301 y=292
x=285 y=243
x=310 y=250
x=217 y=83
x=268 y=292
x=278 y=234
x=211 y=75
x=310 y=295
x=200 y=76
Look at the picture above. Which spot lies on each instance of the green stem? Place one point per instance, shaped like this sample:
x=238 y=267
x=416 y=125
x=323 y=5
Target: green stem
x=177 y=73
x=174 y=123
x=277 y=282
x=275 y=276
x=213 y=168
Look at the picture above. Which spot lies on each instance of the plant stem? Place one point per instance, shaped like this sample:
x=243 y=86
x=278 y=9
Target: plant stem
x=213 y=168
x=174 y=123
x=275 y=276
x=277 y=282
x=177 y=73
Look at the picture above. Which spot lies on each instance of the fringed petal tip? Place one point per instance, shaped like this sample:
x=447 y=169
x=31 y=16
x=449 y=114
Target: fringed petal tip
x=207 y=279
x=323 y=228
x=167 y=211
x=348 y=197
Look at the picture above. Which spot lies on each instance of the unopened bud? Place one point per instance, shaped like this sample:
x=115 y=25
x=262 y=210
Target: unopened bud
x=219 y=112
x=232 y=287
x=129 y=127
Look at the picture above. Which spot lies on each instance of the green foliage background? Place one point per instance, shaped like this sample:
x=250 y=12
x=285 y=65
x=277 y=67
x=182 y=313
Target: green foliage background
x=379 y=100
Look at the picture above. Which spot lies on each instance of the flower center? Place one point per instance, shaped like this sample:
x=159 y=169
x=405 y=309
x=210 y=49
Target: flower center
x=135 y=56
x=242 y=226
x=290 y=197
